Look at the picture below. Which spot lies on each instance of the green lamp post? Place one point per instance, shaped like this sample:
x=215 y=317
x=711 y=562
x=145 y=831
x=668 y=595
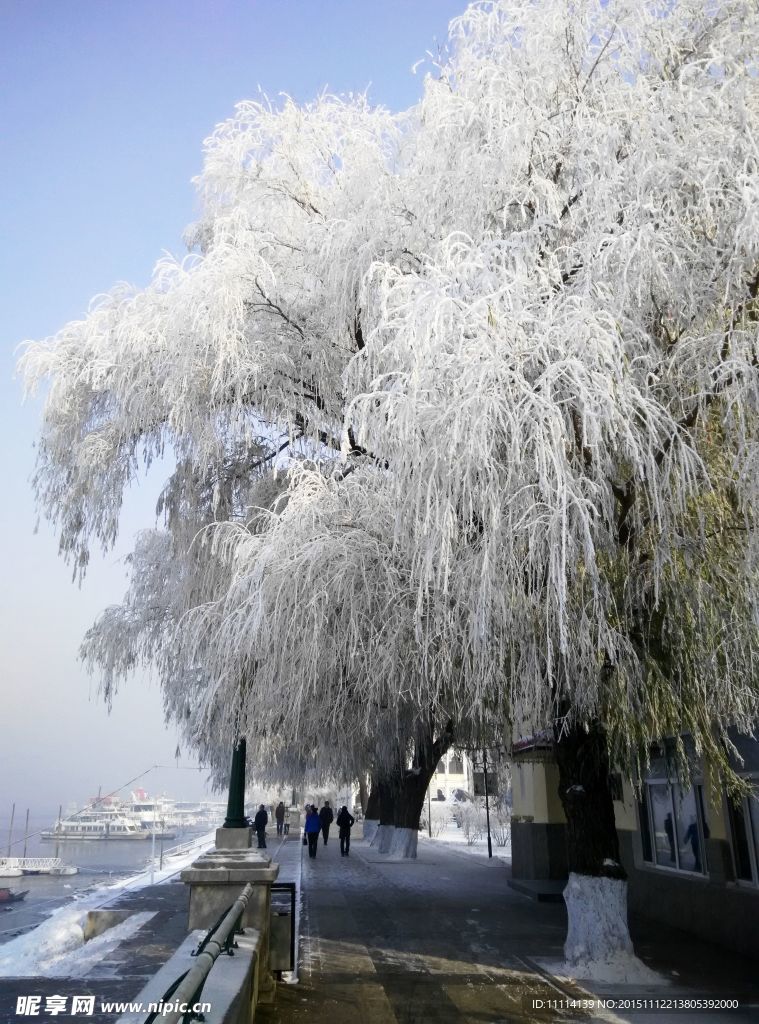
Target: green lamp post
x=236 y=803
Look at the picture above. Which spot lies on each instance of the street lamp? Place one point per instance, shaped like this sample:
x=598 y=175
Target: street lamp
x=487 y=800
x=236 y=803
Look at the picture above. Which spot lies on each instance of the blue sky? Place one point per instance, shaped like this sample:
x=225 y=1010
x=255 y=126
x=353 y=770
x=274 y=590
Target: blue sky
x=103 y=109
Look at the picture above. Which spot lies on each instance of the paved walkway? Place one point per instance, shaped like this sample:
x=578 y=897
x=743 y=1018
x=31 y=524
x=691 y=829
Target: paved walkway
x=439 y=940
x=443 y=940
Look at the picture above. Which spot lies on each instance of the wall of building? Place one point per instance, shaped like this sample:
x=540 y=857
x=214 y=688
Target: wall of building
x=724 y=913
x=714 y=906
x=538 y=825
x=447 y=781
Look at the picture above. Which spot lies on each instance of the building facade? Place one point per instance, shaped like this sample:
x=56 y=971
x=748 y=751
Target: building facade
x=453 y=775
x=691 y=853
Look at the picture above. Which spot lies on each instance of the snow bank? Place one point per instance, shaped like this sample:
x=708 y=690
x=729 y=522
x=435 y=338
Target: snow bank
x=56 y=948
x=172 y=864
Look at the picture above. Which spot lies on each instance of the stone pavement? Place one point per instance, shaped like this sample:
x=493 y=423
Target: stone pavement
x=439 y=940
x=444 y=940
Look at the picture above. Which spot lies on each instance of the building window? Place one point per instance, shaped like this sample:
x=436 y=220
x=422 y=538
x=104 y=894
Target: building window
x=744 y=826
x=673 y=826
x=456 y=765
x=441 y=768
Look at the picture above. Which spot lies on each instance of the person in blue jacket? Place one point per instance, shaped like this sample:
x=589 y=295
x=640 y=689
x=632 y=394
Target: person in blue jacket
x=313 y=828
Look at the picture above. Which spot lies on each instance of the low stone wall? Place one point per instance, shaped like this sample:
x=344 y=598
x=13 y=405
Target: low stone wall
x=231 y=988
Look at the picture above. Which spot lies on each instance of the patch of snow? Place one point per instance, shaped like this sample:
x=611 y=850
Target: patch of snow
x=56 y=948
x=615 y=969
x=456 y=840
x=179 y=861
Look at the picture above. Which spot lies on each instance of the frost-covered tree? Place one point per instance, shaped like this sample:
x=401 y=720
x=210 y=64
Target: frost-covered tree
x=507 y=343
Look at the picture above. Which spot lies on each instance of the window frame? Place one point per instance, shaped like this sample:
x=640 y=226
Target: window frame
x=752 y=837
x=697 y=787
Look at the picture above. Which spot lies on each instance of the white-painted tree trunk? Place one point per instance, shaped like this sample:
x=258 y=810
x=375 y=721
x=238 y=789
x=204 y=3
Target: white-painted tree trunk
x=383 y=837
x=370 y=828
x=404 y=842
x=598 y=941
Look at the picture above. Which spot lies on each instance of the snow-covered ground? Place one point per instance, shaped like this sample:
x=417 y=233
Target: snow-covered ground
x=56 y=948
x=453 y=836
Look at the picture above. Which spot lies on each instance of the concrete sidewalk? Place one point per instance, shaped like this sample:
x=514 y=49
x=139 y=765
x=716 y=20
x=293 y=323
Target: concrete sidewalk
x=444 y=940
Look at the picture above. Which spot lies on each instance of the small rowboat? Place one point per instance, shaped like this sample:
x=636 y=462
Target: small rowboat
x=7 y=896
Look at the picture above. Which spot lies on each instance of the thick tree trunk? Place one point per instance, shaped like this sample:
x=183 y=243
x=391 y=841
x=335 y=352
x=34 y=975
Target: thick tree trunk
x=363 y=794
x=384 y=835
x=409 y=803
x=598 y=943
x=592 y=843
x=401 y=795
x=372 y=812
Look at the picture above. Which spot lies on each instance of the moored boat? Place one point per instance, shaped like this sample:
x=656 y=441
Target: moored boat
x=94 y=826
x=8 y=896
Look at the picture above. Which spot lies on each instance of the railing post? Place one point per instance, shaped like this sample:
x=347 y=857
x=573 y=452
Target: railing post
x=214 y=880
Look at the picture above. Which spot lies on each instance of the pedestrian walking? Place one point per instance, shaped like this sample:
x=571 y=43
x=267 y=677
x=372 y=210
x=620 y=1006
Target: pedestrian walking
x=279 y=815
x=313 y=827
x=326 y=817
x=345 y=822
x=260 y=822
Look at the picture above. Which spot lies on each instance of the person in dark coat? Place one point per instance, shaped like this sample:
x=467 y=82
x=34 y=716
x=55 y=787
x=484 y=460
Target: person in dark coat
x=279 y=814
x=326 y=817
x=313 y=827
x=345 y=822
x=260 y=822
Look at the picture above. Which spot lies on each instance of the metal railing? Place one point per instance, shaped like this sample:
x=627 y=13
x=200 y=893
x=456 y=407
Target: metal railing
x=187 y=989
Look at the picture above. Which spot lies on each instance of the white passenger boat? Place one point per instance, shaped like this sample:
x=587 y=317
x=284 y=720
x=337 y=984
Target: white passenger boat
x=93 y=825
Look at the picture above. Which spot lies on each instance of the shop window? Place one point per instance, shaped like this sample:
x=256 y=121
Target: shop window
x=744 y=826
x=673 y=826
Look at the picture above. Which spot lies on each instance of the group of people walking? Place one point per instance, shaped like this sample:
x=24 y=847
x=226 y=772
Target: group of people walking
x=261 y=820
x=320 y=820
x=317 y=821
